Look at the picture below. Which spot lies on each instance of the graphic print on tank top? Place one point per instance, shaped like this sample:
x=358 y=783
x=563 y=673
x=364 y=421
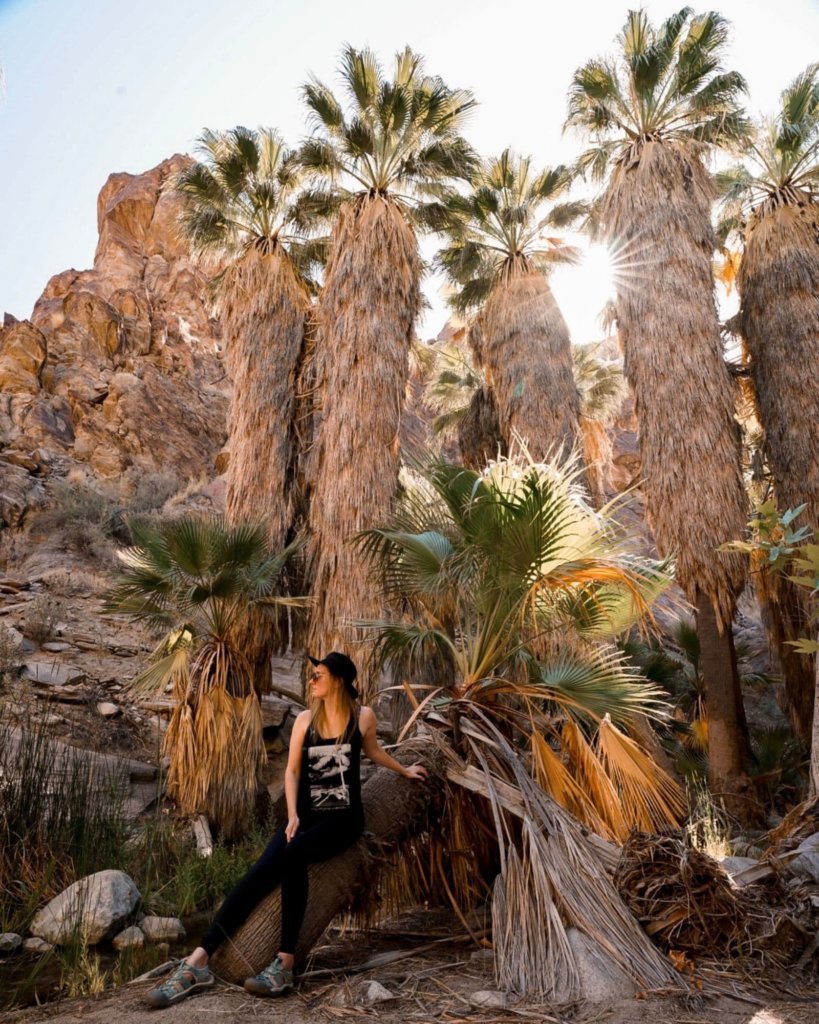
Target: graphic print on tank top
x=328 y=773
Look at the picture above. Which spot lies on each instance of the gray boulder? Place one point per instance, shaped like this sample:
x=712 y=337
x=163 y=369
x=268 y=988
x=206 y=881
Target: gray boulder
x=601 y=979
x=91 y=910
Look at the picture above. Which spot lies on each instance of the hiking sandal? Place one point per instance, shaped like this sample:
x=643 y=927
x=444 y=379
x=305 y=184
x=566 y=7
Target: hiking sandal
x=274 y=980
x=185 y=980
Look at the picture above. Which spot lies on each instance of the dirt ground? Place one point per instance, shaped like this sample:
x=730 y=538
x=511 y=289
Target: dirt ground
x=427 y=989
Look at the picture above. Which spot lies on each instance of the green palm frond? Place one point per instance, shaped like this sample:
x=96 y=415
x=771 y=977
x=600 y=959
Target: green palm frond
x=391 y=136
x=504 y=225
x=503 y=558
x=664 y=83
x=244 y=194
x=197 y=574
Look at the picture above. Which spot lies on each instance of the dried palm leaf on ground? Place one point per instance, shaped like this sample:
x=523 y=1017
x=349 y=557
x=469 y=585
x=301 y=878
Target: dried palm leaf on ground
x=688 y=905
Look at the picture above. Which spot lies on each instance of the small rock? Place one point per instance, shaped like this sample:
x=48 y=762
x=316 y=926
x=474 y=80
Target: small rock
x=733 y=865
x=10 y=942
x=374 y=992
x=107 y=709
x=162 y=929
x=130 y=938
x=53 y=720
x=56 y=646
x=35 y=945
x=484 y=955
x=93 y=907
x=488 y=999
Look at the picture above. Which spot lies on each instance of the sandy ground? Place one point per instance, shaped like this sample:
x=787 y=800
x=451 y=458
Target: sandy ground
x=426 y=990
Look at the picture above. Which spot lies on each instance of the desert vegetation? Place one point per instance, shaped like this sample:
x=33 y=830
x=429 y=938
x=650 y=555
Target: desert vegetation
x=565 y=655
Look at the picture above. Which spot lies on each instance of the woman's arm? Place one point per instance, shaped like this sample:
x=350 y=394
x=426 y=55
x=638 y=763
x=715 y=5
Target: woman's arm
x=293 y=771
x=371 y=748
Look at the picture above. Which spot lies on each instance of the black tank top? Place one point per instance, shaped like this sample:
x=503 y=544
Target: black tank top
x=330 y=778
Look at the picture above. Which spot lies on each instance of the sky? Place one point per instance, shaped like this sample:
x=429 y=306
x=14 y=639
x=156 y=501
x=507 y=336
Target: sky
x=94 y=87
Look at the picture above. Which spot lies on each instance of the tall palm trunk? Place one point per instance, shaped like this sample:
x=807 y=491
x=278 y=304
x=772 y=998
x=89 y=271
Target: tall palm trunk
x=264 y=312
x=657 y=214
x=527 y=352
x=779 y=317
x=367 y=315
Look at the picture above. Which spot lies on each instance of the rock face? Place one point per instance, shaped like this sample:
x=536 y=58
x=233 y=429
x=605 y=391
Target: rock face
x=120 y=366
x=92 y=909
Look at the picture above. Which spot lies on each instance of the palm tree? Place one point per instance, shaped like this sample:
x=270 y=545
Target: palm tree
x=772 y=202
x=378 y=162
x=237 y=209
x=517 y=586
x=500 y=251
x=653 y=113
x=488 y=566
x=193 y=582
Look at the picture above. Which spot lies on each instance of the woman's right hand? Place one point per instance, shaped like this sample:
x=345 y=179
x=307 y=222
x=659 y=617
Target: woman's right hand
x=292 y=828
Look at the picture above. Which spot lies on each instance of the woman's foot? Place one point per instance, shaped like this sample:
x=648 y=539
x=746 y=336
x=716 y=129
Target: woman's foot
x=185 y=980
x=274 y=980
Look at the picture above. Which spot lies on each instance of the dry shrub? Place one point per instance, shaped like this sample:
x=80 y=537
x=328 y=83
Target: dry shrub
x=70 y=582
x=42 y=615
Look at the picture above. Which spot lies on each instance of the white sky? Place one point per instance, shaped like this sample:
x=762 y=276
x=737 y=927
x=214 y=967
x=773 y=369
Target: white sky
x=97 y=86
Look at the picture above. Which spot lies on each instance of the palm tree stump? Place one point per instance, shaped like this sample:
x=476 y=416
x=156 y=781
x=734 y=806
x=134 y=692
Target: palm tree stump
x=395 y=809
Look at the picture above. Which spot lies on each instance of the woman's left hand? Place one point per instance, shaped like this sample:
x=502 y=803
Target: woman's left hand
x=416 y=771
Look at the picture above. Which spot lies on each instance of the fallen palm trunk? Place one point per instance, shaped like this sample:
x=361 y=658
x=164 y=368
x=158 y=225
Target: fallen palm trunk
x=395 y=809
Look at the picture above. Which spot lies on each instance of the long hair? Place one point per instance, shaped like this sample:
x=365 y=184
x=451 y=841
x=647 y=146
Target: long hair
x=318 y=714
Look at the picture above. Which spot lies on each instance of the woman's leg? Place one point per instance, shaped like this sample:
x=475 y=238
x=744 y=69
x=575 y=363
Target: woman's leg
x=260 y=880
x=319 y=842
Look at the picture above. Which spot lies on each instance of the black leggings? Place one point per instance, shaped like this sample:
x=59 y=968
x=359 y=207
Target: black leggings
x=318 y=840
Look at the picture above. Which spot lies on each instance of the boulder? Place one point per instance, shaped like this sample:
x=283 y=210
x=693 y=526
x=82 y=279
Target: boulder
x=600 y=979
x=10 y=942
x=107 y=709
x=130 y=938
x=162 y=929
x=92 y=909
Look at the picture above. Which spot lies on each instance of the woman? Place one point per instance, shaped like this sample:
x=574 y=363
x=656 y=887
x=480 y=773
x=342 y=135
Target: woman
x=322 y=786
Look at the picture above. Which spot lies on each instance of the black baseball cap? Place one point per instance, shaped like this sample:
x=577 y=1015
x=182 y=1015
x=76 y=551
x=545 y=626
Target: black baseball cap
x=340 y=666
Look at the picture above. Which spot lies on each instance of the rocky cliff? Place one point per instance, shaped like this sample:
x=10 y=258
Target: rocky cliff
x=120 y=367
